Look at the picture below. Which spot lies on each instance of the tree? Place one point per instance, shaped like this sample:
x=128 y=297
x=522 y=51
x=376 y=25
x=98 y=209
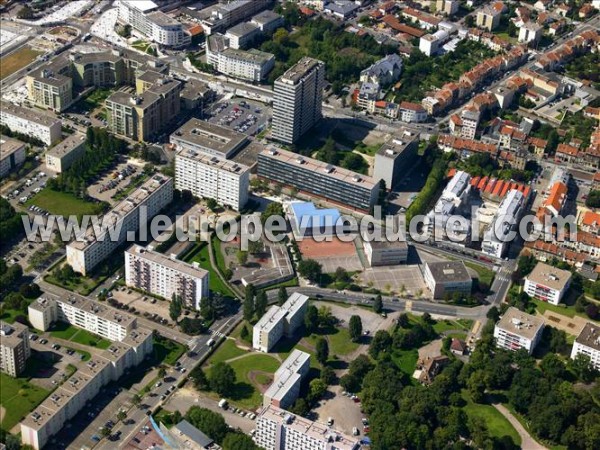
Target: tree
x=355 y=328
x=350 y=383
x=104 y=431
x=311 y=318
x=211 y=204
x=378 y=304
x=316 y=390
x=493 y=314
x=272 y=209
x=327 y=375
x=354 y=162
x=25 y=13
x=175 y=308
x=221 y=378
x=310 y=269
x=381 y=343
x=136 y=400
x=242 y=257
x=403 y=320
x=199 y=378
x=255 y=247
x=282 y=296
x=476 y=386
x=260 y=303
x=238 y=441
x=322 y=349
x=121 y=415
x=300 y=407
x=210 y=422
x=244 y=333
x=341 y=275
x=249 y=302
x=162 y=372
x=582 y=367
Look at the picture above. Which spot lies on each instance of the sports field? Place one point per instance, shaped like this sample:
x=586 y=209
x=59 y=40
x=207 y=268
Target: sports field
x=17 y=60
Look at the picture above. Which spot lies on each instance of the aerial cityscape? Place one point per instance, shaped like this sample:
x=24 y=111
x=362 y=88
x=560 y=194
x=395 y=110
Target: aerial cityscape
x=300 y=224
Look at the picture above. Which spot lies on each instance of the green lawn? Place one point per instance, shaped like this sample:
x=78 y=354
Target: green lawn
x=68 y=332
x=497 y=424
x=227 y=350
x=167 y=351
x=446 y=325
x=561 y=308
x=200 y=255
x=18 y=397
x=64 y=204
x=245 y=393
x=17 y=60
x=406 y=360
x=485 y=275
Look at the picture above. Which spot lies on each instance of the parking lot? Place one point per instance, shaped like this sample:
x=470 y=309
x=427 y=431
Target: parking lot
x=394 y=278
x=115 y=181
x=245 y=116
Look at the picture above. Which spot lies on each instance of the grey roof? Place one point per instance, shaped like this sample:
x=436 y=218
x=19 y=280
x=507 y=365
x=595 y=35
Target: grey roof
x=251 y=56
x=342 y=7
x=266 y=17
x=590 y=336
x=299 y=70
x=242 y=29
x=161 y=19
x=448 y=271
x=193 y=433
x=384 y=66
x=33 y=115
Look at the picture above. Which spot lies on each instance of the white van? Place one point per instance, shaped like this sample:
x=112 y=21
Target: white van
x=210 y=342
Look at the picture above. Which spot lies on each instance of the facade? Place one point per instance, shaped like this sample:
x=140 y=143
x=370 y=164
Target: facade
x=285 y=388
x=51 y=86
x=318 y=178
x=496 y=238
x=14 y=348
x=394 y=158
x=81 y=388
x=431 y=44
x=412 y=112
x=588 y=343
x=447 y=278
x=488 y=18
x=158 y=274
x=517 y=330
x=227 y=14
x=60 y=157
x=268 y=21
x=30 y=122
x=279 y=321
x=251 y=65
x=278 y=429
x=447 y=7
x=383 y=72
x=144 y=17
x=547 y=283
x=297 y=98
x=203 y=165
x=142 y=115
x=141 y=205
x=83 y=313
x=12 y=155
x=530 y=32
x=385 y=253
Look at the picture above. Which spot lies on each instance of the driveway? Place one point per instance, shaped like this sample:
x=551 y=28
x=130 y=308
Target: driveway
x=527 y=442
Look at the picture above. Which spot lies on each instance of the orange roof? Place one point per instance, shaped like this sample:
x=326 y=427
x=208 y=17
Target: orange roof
x=567 y=149
x=451 y=172
x=498 y=188
x=475 y=181
x=526 y=191
x=557 y=196
x=538 y=142
x=196 y=29
x=394 y=23
x=505 y=189
x=591 y=219
x=307 y=11
x=482 y=183
x=490 y=186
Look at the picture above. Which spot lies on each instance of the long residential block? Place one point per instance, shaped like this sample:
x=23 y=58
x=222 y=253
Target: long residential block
x=142 y=205
x=285 y=388
x=60 y=157
x=518 y=330
x=12 y=155
x=160 y=275
x=30 y=122
x=317 y=178
x=279 y=321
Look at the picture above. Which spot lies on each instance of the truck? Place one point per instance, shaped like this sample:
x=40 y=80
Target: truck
x=223 y=403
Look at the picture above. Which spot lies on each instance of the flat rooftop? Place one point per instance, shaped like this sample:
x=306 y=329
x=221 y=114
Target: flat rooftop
x=141 y=101
x=271 y=318
x=242 y=29
x=266 y=17
x=313 y=165
x=201 y=134
x=32 y=115
x=447 y=271
x=165 y=261
x=252 y=55
x=299 y=70
x=161 y=19
x=396 y=146
x=517 y=322
x=294 y=303
x=549 y=276
x=590 y=336
x=142 y=5
x=67 y=145
x=11 y=334
x=225 y=165
x=8 y=146
x=316 y=430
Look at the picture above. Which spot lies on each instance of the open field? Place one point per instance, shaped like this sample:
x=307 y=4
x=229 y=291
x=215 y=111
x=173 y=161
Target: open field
x=64 y=204
x=18 y=397
x=227 y=350
x=79 y=336
x=17 y=60
x=200 y=255
x=167 y=351
x=497 y=424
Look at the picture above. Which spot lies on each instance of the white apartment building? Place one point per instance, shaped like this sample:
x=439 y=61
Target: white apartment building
x=30 y=122
x=279 y=320
x=517 y=330
x=269 y=329
x=268 y=21
x=385 y=253
x=144 y=17
x=412 y=112
x=67 y=400
x=588 y=343
x=530 y=32
x=227 y=14
x=496 y=238
x=202 y=163
x=285 y=388
x=278 y=429
x=297 y=98
x=12 y=155
x=83 y=313
x=140 y=206
x=547 y=283
x=60 y=157
x=14 y=348
x=160 y=275
x=447 y=7
x=251 y=65
x=242 y=35
x=430 y=44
